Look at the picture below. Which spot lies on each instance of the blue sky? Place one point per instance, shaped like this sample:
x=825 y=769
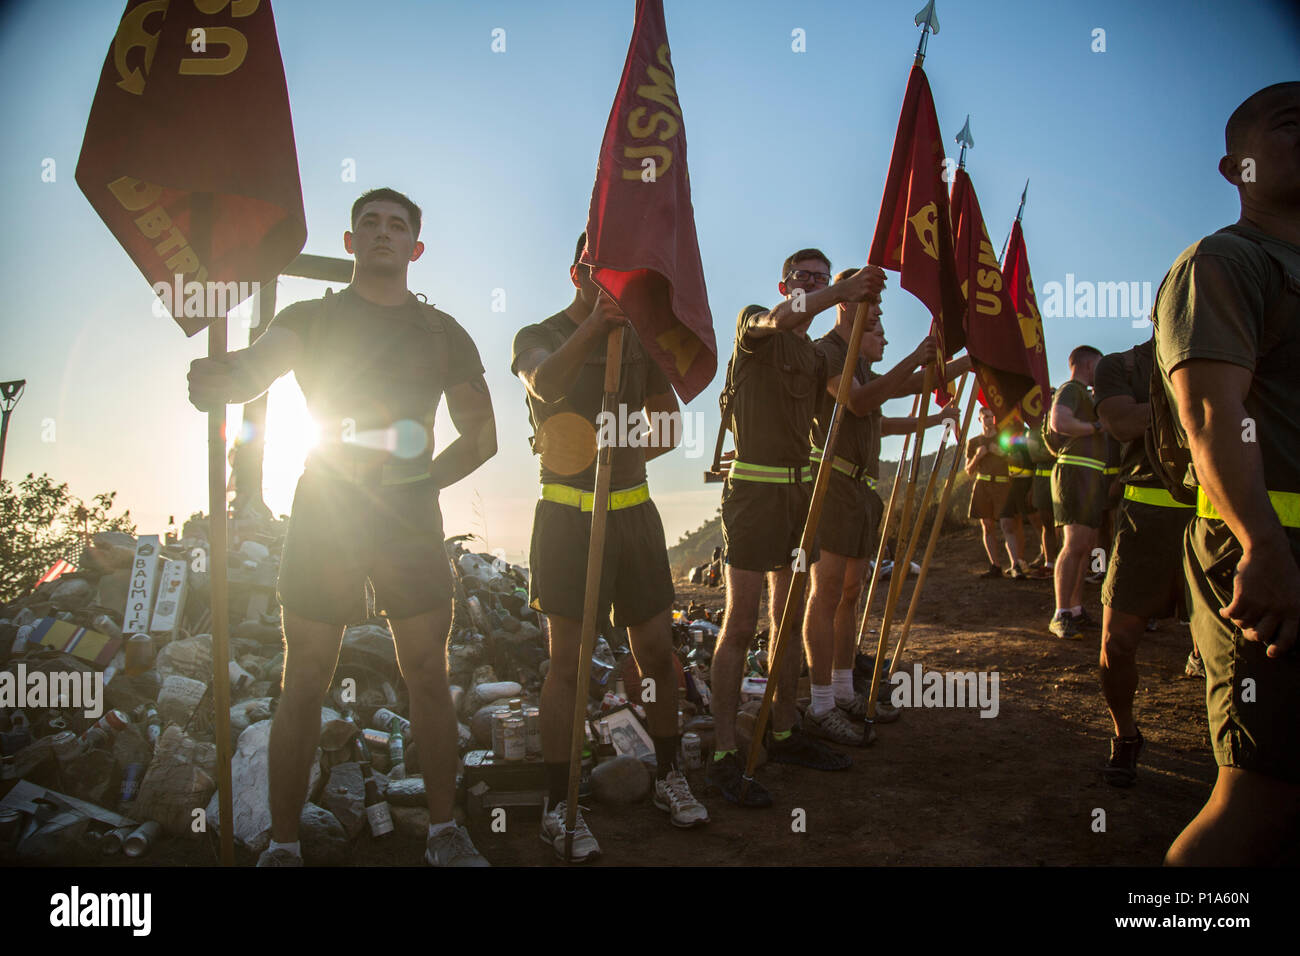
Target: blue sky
x=786 y=149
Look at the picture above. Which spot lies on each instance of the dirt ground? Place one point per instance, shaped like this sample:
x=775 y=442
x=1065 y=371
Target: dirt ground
x=939 y=787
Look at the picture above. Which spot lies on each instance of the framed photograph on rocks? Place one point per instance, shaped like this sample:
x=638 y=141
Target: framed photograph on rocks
x=630 y=738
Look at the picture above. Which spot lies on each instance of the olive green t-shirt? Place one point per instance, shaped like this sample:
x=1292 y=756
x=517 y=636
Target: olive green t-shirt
x=1038 y=451
x=859 y=435
x=366 y=368
x=994 y=463
x=1227 y=300
x=778 y=379
x=1074 y=395
x=565 y=432
x=1117 y=376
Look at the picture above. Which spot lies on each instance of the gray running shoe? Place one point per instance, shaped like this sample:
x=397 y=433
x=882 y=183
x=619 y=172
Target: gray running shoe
x=837 y=728
x=585 y=846
x=674 y=797
x=452 y=846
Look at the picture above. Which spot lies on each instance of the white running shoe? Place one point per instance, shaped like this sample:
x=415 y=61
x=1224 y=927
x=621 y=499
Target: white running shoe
x=585 y=846
x=674 y=797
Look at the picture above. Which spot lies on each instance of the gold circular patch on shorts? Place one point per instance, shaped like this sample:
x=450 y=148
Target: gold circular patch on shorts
x=568 y=443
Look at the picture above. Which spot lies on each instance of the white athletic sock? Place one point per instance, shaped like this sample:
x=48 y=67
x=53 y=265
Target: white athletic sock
x=823 y=699
x=1060 y=611
x=295 y=847
x=436 y=828
x=1077 y=610
x=842 y=684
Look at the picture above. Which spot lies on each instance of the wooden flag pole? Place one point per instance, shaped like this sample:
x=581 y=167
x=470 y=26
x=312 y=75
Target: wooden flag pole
x=927 y=496
x=794 y=598
x=201 y=209
x=884 y=527
x=895 y=587
x=591 y=599
x=949 y=482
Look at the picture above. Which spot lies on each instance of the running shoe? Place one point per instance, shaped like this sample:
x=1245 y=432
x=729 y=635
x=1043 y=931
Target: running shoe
x=727 y=775
x=674 y=797
x=1065 y=626
x=585 y=846
x=837 y=728
x=803 y=750
x=1121 y=769
x=451 y=846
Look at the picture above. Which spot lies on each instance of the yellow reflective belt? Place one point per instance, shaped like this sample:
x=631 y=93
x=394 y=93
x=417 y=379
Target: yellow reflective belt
x=1081 y=461
x=1018 y=472
x=1111 y=470
x=770 y=474
x=1285 y=503
x=586 y=500
x=844 y=467
x=1152 y=496
x=1002 y=478
x=1043 y=472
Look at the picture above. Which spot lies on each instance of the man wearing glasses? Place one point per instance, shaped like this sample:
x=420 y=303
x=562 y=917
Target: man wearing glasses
x=775 y=380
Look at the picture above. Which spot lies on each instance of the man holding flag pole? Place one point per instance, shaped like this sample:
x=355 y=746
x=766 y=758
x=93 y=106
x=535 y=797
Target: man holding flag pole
x=642 y=254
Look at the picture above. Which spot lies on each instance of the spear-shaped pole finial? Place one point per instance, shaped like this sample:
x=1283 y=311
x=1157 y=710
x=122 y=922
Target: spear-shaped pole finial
x=928 y=21
x=1019 y=212
x=964 y=139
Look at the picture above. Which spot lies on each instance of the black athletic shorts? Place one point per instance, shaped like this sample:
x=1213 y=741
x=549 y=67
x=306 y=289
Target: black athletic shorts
x=1019 y=498
x=1252 y=699
x=340 y=534
x=635 y=575
x=1145 y=572
x=1078 y=495
x=762 y=524
x=847 y=526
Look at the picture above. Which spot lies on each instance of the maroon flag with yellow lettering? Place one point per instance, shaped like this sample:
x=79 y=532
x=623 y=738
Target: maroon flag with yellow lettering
x=641 y=241
x=914 y=228
x=993 y=337
x=1020 y=287
x=189 y=153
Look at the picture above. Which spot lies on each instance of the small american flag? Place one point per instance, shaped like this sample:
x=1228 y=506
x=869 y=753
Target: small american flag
x=70 y=560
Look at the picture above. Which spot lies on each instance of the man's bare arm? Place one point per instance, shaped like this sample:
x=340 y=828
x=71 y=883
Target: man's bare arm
x=866 y=397
x=1210 y=397
x=864 y=285
x=1064 y=421
x=1124 y=417
x=547 y=375
x=470 y=407
x=913 y=383
x=243 y=375
x=657 y=406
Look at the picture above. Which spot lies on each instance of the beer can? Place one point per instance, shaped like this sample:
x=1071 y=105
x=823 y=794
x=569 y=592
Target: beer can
x=130 y=782
x=603 y=729
x=56 y=724
x=143 y=837
x=692 y=753
x=514 y=742
x=532 y=730
x=11 y=821
x=498 y=733
x=384 y=718
x=375 y=740
x=139 y=654
x=113 y=840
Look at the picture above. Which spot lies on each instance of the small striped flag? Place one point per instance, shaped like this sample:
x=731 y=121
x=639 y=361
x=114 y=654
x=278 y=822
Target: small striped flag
x=68 y=562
